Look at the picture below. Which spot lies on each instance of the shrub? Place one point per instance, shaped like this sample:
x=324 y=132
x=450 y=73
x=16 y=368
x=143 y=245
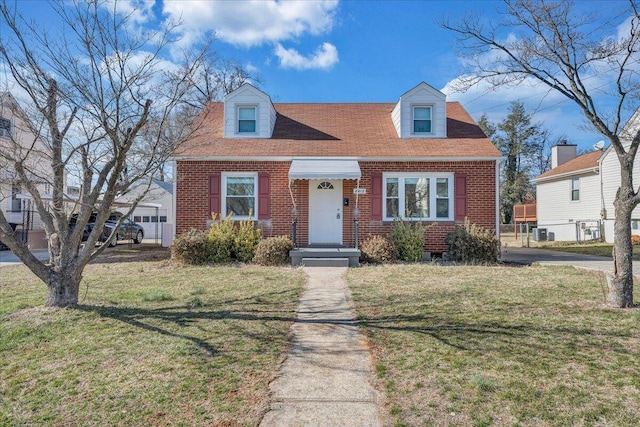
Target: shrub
x=408 y=238
x=378 y=250
x=635 y=239
x=471 y=243
x=221 y=239
x=273 y=251
x=246 y=240
x=191 y=248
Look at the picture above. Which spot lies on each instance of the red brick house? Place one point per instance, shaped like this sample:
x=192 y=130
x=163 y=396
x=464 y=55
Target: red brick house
x=325 y=166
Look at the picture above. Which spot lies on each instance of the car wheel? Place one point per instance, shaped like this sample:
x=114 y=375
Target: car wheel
x=138 y=238
x=114 y=241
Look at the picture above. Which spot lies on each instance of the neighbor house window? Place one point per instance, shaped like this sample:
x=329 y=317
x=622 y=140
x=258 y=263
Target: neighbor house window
x=634 y=224
x=418 y=196
x=421 y=119
x=137 y=218
x=5 y=127
x=575 y=189
x=246 y=119
x=239 y=194
x=15 y=203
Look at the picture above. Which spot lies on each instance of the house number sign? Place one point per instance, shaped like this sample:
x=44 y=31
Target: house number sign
x=359 y=191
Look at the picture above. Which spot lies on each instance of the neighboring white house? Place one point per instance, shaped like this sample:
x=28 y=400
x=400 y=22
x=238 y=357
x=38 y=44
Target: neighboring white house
x=575 y=198
x=18 y=141
x=155 y=209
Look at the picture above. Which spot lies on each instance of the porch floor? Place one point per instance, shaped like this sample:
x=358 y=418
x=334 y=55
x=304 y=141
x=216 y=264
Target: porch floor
x=325 y=257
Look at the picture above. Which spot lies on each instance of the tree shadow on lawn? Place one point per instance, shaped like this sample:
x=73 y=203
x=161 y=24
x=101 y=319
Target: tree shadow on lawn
x=184 y=316
x=499 y=337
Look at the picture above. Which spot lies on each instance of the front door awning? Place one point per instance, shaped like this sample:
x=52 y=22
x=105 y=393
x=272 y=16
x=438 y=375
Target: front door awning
x=324 y=169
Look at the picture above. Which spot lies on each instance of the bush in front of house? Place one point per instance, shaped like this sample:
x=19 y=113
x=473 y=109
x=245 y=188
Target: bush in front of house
x=472 y=243
x=246 y=240
x=191 y=248
x=378 y=250
x=273 y=251
x=635 y=239
x=408 y=238
x=221 y=239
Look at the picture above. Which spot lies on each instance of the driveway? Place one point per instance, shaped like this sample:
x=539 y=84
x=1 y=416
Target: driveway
x=8 y=258
x=529 y=256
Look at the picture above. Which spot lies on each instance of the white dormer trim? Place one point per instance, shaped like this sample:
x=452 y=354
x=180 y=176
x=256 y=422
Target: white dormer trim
x=248 y=96
x=423 y=95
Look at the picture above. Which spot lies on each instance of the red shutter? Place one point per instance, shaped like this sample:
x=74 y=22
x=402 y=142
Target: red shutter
x=460 y=203
x=264 y=196
x=376 y=196
x=214 y=194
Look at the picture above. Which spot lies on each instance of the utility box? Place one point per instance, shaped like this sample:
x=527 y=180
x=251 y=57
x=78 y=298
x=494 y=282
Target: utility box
x=539 y=234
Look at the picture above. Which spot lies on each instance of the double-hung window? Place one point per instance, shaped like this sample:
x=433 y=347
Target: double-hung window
x=421 y=119
x=240 y=194
x=5 y=127
x=418 y=196
x=575 y=189
x=247 y=119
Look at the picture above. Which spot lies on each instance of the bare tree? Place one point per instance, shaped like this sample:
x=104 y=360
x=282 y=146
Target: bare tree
x=100 y=105
x=570 y=53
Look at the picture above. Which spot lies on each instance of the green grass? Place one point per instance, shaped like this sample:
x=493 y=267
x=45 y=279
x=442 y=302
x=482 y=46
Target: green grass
x=150 y=344
x=482 y=346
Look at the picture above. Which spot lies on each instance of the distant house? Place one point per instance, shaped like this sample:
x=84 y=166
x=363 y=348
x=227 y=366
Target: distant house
x=314 y=169
x=18 y=141
x=575 y=198
x=154 y=210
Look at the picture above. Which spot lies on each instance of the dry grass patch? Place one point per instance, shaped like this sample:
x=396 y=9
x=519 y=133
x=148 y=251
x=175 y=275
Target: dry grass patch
x=150 y=344
x=480 y=346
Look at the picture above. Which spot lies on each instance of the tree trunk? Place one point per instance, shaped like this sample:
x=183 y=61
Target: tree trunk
x=62 y=290
x=620 y=283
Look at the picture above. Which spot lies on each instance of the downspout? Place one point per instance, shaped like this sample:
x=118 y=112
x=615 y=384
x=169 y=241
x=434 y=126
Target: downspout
x=174 y=198
x=498 y=200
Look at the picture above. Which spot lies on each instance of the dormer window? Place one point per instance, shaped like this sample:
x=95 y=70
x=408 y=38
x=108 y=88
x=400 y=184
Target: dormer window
x=5 y=127
x=422 y=119
x=247 y=119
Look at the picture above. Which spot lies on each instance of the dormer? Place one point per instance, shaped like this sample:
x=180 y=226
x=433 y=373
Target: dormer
x=421 y=113
x=248 y=113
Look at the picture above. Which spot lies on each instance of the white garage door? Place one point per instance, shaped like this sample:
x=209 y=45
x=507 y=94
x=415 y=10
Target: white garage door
x=150 y=221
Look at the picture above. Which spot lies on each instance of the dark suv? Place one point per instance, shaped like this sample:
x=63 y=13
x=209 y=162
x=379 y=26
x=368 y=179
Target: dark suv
x=128 y=230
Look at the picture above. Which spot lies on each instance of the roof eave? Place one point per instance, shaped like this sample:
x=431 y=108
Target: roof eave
x=594 y=169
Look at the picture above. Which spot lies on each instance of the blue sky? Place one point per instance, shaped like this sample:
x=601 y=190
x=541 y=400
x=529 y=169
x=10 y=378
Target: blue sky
x=354 y=51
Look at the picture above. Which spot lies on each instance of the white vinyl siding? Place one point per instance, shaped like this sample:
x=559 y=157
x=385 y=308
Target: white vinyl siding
x=558 y=213
x=421 y=96
x=416 y=196
x=241 y=101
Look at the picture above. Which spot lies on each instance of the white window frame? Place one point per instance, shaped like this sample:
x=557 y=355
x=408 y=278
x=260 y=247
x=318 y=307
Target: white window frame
x=413 y=119
x=223 y=202
x=255 y=109
x=575 y=188
x=7 y=133
x=432 y=194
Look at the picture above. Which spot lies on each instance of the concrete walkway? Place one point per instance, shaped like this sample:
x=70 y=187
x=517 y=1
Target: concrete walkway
x=324 y=380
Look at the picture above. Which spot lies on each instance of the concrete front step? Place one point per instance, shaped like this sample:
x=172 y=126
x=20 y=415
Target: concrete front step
x=325 y=257
x=325 y=262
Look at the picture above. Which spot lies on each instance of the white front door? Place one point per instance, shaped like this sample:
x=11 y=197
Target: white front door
x=325 y=211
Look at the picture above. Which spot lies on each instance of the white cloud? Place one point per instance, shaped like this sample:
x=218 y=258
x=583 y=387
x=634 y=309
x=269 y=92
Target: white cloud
x=139 y=11
x=325 y=57
x=254 y=22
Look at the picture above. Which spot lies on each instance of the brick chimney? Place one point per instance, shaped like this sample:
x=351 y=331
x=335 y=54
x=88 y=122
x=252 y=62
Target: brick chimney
x=562 y=153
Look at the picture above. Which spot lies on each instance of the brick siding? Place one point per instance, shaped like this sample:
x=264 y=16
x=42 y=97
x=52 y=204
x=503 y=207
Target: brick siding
x=192 y=197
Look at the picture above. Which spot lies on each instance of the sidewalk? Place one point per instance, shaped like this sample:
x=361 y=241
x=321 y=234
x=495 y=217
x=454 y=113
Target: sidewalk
x=324 y=380
x=8 y=257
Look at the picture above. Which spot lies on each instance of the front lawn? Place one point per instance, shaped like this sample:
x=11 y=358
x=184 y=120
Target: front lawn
x=151 y=344
x=480 y=346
